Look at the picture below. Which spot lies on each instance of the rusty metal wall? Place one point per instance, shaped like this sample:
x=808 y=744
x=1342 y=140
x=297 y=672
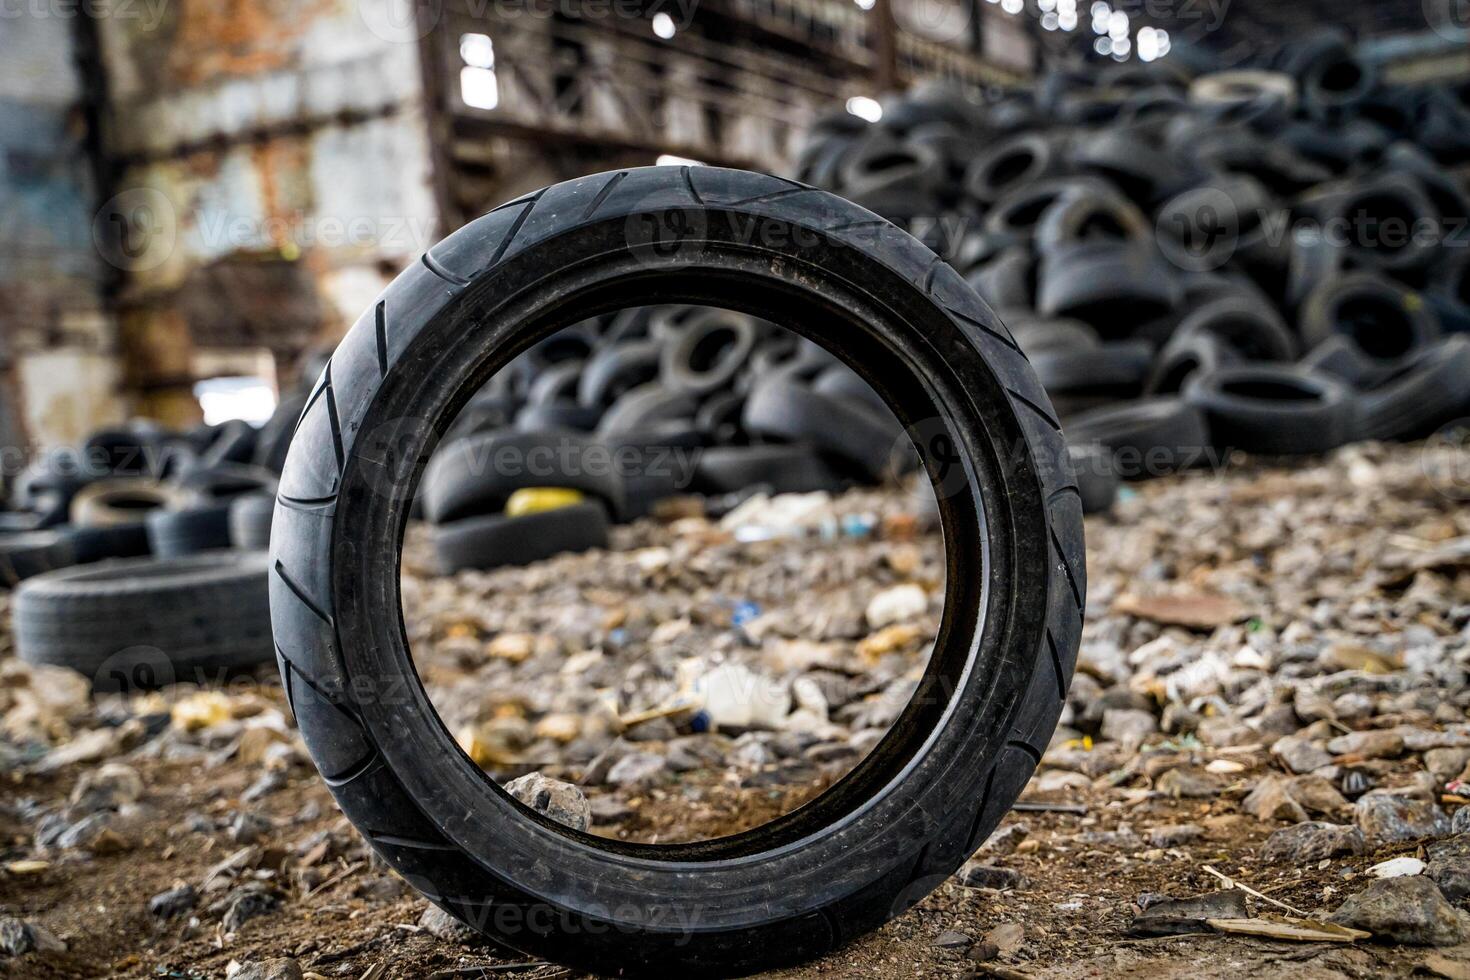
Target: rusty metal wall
x=271 y=169
x=52 y=319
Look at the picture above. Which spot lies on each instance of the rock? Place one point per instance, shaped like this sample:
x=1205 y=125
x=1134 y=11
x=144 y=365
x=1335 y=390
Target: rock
x=896 y=605
x=93 y=833
x=637 y=770
x=106 y=788
x=653 y=730
x=278 y=969
x=1461 y=822
x=1005 y=840
x=1317 y=795
x=1368 y=745
x=1300 y=754
x=248 y=902
x=1307 y=843
x=1272 y=800
x=18 y=937
x=1446 y=764
x=440 y=924
x=1449 y=867
x=174 y=902
x=553 y=799
x=609 y=809
x=1386 y=819
x=1172 y=916
x=87 y=747
x=1174 y=835
x=270 y=781
x=990 y=876
x=1187 y=784
x=1404 y=910
x=247 y=827
x=950 y=939
x=1128 y=726
x=1195 y=610
x=1004 y=940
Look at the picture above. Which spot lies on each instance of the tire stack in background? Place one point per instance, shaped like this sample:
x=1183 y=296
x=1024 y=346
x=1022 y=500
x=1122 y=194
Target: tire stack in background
x=138 y=557
x=1273 y=259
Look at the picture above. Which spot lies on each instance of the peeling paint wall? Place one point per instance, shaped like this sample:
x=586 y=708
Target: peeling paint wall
x=52 y=319
x=271 y=156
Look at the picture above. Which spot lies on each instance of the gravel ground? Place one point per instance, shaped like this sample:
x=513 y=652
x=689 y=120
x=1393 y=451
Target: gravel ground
x=1271 y=693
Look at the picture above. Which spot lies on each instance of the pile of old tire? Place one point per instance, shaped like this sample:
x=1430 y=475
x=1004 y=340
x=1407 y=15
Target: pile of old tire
x=605 y=418
x=1270 y=257
x=120 y=554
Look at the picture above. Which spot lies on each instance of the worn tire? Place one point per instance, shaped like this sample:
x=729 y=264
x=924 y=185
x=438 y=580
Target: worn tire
x=1097 y=480
x=788 y=468
x=145 y=622
x=1427 y=389
x=176 y=533
x=906 y=817
x=1150 y=437
x=497 y=540
x=28 y=553
x=1274 y=409
x=477 y=474
x=250 y=521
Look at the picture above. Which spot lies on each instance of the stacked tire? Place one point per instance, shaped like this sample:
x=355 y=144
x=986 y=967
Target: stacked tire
x=1268 y=258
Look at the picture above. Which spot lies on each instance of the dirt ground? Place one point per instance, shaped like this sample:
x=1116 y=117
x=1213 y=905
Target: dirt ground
x=1371 y=543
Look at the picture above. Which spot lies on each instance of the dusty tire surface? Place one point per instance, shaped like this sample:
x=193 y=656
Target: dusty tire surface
x=930 y=793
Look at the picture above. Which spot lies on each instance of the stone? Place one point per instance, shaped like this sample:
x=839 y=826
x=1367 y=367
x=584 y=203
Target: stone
x=1403 y=910
x=1368 y=745
x=1272 y=800
x=1446 y=764
x=1307 y=843
x=1195 y=610
x=1174 y=835
x=18 y=937
x=1005 y=939
x=1300 y=754
x=1449 y=867
x=1318 y=796
x=553 y=799
x=1127 y=725
x=609 y=809
x=248 y=902
x=1461 y=822
x=1173 y=916
x=990 y=876
x=637 y=769
x=270 y=781
x=950 y=939
x=107 y=787
x=93 y=833
x=277 y=969
x=1187 y=784
x=174 y=902
x=1387 y=819
x=440 y=924
x=248 y=827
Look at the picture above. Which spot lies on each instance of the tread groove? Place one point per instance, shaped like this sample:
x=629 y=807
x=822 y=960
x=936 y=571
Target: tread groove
x=999 y=335
x=380 y=317
x=1035 y=408
x=1056 y=660
x=396 y=840
x=333 y=420
x=515 y=229
x=773 y=196
x=1067 y=567
x=364 y=765
x=693 y=192
x=306 y=503
x=602 y=194
x=432 y=264
x=1027 y=748
x=300 y=593
x=1058 y=493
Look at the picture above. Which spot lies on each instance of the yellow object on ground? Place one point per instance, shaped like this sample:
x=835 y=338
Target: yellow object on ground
x=534 y=500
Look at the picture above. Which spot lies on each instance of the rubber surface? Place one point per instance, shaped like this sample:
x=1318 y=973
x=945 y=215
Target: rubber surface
x=497 y=540
x=1429 y=388
x=475 y=475
x=250 y=521
x=146 y=622
x=869 y=848
x=789 y=468
x=1275 y=409
x=1150 y=437
x=175 y=533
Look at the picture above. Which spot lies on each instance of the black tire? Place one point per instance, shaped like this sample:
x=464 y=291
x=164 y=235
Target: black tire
x=1385 y=319
x=250 y=521
x=176 y=533
x=1007 y=281
x=1252 y=329
x=274 y=438
x=1016 y=162
x=1117 y=369
x=654 y=463
x=1106 y=284
x=789 y=468
x=1344 y=359
x=1097 y=481
x=1429 y=388
x=561 y=415
x=476 y=475
x=1184 y=356
x=647 y=405
x=1151 y=437
x=497 y=540
x=785 y=408
x=108 y=503
x=1038 y=335
x=869 y=848
x=708 y=352
x=143 y=622
x=617 y=369
x=29 y=553
x=841 y=381
x=91 y=544
x=233 y=442
x=559 y=382
x=1274 y=409
x=223 y=482
x=1090 y=215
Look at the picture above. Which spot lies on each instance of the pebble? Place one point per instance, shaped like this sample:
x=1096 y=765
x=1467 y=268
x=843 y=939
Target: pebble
x=1175 y=835
x=990 y=876
x=950 y=939
x=1404 y=910
x=440 y=924
x=106 y=788
x=1449 y=867
x=1386 y=819
x=637 y=770
x=895 y=605
x=174 y=902
x=1368 y=745
x=1307 y=843
x=270 y=781
x=277 y=969
x=18 y=937
x=1300 y=754
x=552 y=798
